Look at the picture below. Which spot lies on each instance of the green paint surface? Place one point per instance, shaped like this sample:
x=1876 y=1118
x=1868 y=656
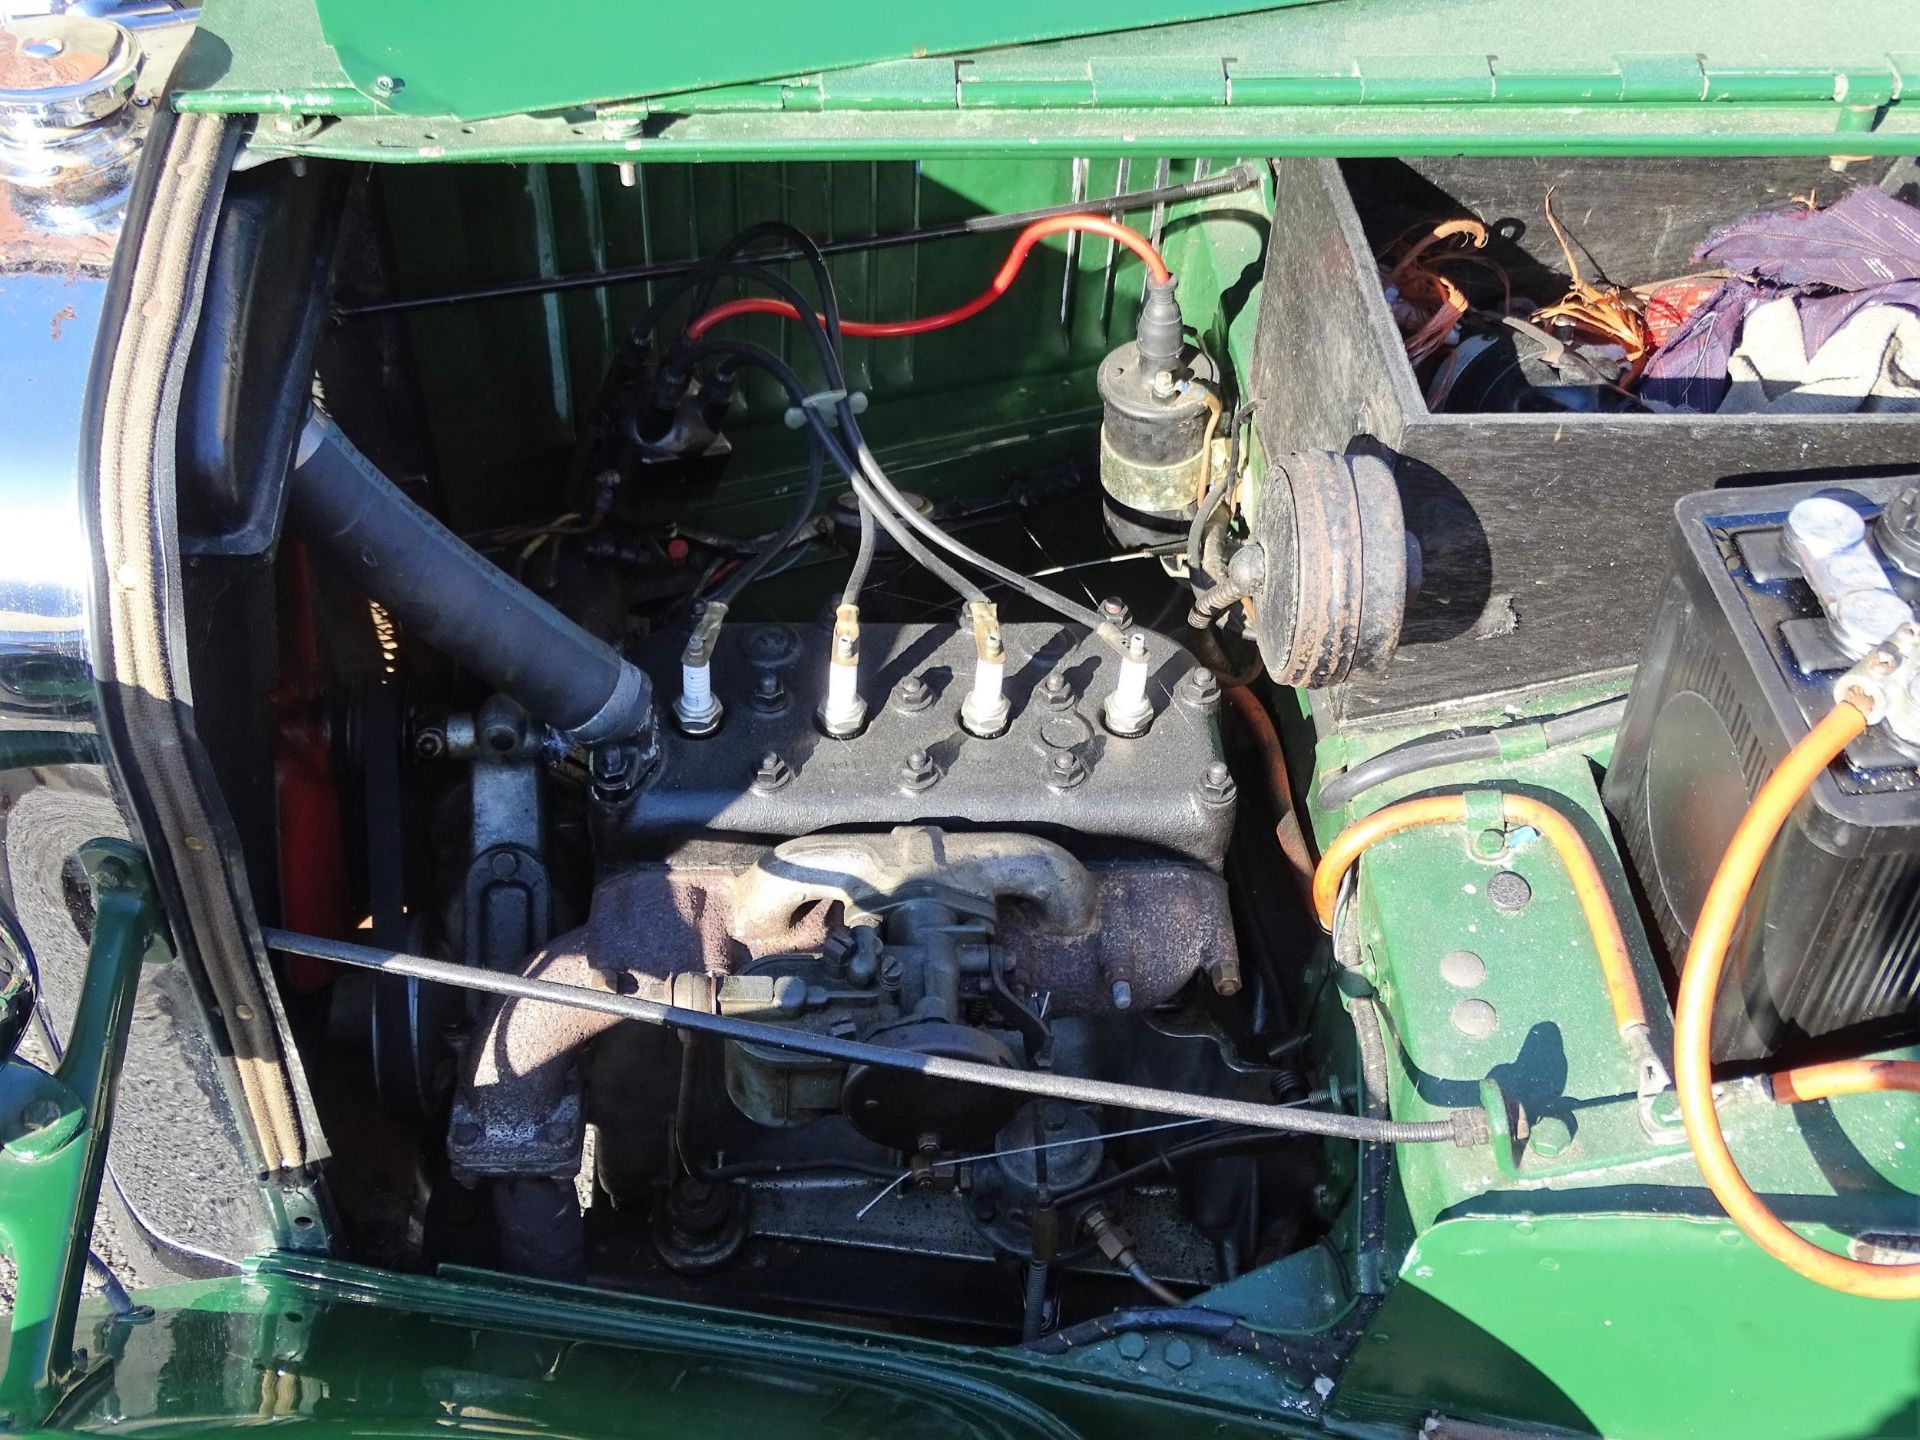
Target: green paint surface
x=1632 y=1326
x=967 y=411
x=1598 y=1288
x=1348 y=77
x=319 y=1347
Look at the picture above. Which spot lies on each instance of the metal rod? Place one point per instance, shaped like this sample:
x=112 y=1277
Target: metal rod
x=1239 y=177
x=1027 y=1082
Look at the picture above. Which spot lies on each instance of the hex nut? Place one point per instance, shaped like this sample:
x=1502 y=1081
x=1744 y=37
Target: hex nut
x=774 y=772
x=1218 y=787
x=769 y=695
x=1200 y=689
x=1065 y=770
x=912 y=695
x=918 y=772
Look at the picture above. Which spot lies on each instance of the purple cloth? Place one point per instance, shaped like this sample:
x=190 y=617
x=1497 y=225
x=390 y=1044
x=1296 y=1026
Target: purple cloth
x=1862 y=250
x=1689 y=372
x=1864 y=239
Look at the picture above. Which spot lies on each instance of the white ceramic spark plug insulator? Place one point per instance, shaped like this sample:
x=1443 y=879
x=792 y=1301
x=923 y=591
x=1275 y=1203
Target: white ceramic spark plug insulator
x=989 y=683
x=696 y=686
x=843 y=712
x=1128 y=712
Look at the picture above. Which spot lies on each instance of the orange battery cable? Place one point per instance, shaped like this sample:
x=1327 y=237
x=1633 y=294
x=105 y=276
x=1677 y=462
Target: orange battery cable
x=1693 y=1027
x=1844 y=1077
x=1693 y=1021
x=1616 y=965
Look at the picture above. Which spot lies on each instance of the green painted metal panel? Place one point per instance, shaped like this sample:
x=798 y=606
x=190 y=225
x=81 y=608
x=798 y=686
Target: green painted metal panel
x=1309 y=115
x=1593 y=1283
x=1634 y=1327
x=504 y=57
x=967 y=409
x=1492 y=76
x=319 y=1347
x=53 y=1127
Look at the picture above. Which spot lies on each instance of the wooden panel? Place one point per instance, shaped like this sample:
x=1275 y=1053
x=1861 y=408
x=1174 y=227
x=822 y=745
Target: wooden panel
x=1544 y=538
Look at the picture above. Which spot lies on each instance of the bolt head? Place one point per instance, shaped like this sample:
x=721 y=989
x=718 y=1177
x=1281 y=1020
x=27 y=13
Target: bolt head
x=1114 y=611
x=1056 y=691
x=1549 y=1136
x=1476 y=1018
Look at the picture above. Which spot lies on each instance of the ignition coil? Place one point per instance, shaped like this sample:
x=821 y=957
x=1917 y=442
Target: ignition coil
x=1160 y=410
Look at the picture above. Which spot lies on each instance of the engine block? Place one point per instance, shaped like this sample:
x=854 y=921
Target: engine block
x=770 y=772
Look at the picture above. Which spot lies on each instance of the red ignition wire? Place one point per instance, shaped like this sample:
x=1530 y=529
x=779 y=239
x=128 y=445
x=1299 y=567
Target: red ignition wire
x=1016 y=257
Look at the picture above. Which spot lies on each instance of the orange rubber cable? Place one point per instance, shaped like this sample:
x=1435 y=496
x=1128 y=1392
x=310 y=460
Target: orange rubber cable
x=1693 y=1027
x=1845 y=1077
x=1616 y=963
x=1016 y=257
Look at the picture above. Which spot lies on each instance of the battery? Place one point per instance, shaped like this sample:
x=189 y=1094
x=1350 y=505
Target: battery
x=1740 y=664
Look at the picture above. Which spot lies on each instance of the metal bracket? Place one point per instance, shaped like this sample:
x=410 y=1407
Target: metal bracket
x=55 y=1137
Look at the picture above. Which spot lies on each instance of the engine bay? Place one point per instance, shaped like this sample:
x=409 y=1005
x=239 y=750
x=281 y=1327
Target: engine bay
x=931 y=733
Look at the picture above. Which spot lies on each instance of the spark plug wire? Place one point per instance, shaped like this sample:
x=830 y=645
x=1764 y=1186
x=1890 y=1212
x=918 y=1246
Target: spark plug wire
x=925 y=324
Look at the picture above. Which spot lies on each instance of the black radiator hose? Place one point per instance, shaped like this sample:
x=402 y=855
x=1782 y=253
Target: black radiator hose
x=455 y=600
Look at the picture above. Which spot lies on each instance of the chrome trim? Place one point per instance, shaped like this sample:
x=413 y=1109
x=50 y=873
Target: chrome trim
x=68 y=156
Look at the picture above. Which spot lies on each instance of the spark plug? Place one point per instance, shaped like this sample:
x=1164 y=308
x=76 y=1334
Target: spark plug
x=985 y=711
x=843 y=712
x=698 y=709
x=1128 y=712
